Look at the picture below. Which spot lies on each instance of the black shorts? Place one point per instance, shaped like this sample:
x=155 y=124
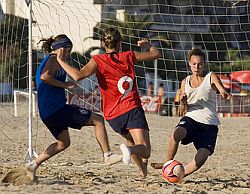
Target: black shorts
x=69 y=116
x=202 y=135
x=133 y=119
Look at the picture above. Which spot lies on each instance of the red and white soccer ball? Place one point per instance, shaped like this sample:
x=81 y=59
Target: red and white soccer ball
x=173 y=171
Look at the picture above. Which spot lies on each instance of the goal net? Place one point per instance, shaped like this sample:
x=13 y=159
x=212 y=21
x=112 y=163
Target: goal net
x=220 y=28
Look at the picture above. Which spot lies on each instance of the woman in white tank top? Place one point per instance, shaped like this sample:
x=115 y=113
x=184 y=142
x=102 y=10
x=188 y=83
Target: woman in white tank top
x=198 y=106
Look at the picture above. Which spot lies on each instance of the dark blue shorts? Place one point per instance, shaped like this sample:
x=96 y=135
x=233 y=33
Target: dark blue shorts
x=69 y=116
x=133 y=119
x=202 y=135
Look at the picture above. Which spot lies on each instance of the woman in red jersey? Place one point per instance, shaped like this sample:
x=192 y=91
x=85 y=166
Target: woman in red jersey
x=120 y=97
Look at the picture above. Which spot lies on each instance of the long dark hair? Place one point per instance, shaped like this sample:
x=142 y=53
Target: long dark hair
x=111 y=38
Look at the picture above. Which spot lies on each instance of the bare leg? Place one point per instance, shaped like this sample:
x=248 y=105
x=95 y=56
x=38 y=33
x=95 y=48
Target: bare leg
x=102 y=138
x=63 y=141
x=173 y=143
x=141 y=149
x=100 y=131
x=136 y=159
x=198 y=161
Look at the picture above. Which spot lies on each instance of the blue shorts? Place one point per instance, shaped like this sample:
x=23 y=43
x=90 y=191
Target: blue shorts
x=133 y=119
x=69 y=116
x=202 y=135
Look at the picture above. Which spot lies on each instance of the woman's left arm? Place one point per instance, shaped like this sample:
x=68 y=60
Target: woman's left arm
x=215 y=80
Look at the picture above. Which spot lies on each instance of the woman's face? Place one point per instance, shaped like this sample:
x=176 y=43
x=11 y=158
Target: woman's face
x=196 y=64
x=67 y=52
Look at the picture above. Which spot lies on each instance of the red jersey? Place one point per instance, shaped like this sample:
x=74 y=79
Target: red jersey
x=117 y=83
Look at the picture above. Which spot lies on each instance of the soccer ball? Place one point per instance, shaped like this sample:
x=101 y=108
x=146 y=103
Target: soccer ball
x=173 y=171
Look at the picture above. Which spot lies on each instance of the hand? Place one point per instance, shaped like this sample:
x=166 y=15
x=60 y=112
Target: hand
x=60 y=54
x=70 y=85
x=226 y=95
x=182 y=109
x=143 y=43
x=183 y=99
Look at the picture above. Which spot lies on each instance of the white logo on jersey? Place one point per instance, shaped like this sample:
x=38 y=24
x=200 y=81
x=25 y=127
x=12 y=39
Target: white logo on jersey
x=83 y=111
x=125 y=85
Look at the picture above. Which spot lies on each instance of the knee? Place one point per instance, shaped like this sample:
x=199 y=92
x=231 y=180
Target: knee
x=63 y=145
x=98 y=119
x=179 y=134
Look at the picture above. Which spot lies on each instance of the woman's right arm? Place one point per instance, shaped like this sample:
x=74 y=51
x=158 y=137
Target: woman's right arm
x=150 y=55
x=89 y=69
x=182 y=109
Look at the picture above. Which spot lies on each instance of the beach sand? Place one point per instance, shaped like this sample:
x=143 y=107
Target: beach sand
x=80 y=169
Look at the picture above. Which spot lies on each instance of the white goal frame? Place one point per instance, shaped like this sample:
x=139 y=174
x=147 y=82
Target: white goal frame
x=17 y=93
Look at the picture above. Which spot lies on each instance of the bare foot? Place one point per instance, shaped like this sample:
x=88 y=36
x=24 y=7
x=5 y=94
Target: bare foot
x=157 y=165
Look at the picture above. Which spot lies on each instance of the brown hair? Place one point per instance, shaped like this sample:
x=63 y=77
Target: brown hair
x=196 y=52
x=111 y=37
x=46 y=46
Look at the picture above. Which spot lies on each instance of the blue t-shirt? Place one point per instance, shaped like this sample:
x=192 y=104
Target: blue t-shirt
x=50 y=98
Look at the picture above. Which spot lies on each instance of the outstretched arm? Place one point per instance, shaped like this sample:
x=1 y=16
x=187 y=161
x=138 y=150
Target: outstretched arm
x=89 y=69
x=217 y=83
x=150 y=55
x=48 y=72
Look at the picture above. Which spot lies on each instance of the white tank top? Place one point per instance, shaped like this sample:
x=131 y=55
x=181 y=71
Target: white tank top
x=202 y=102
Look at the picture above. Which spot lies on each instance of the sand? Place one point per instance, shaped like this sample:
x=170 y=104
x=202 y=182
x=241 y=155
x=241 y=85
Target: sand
x=80 y=169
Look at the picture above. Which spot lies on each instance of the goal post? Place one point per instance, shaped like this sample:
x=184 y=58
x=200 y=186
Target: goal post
x=31 y=152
